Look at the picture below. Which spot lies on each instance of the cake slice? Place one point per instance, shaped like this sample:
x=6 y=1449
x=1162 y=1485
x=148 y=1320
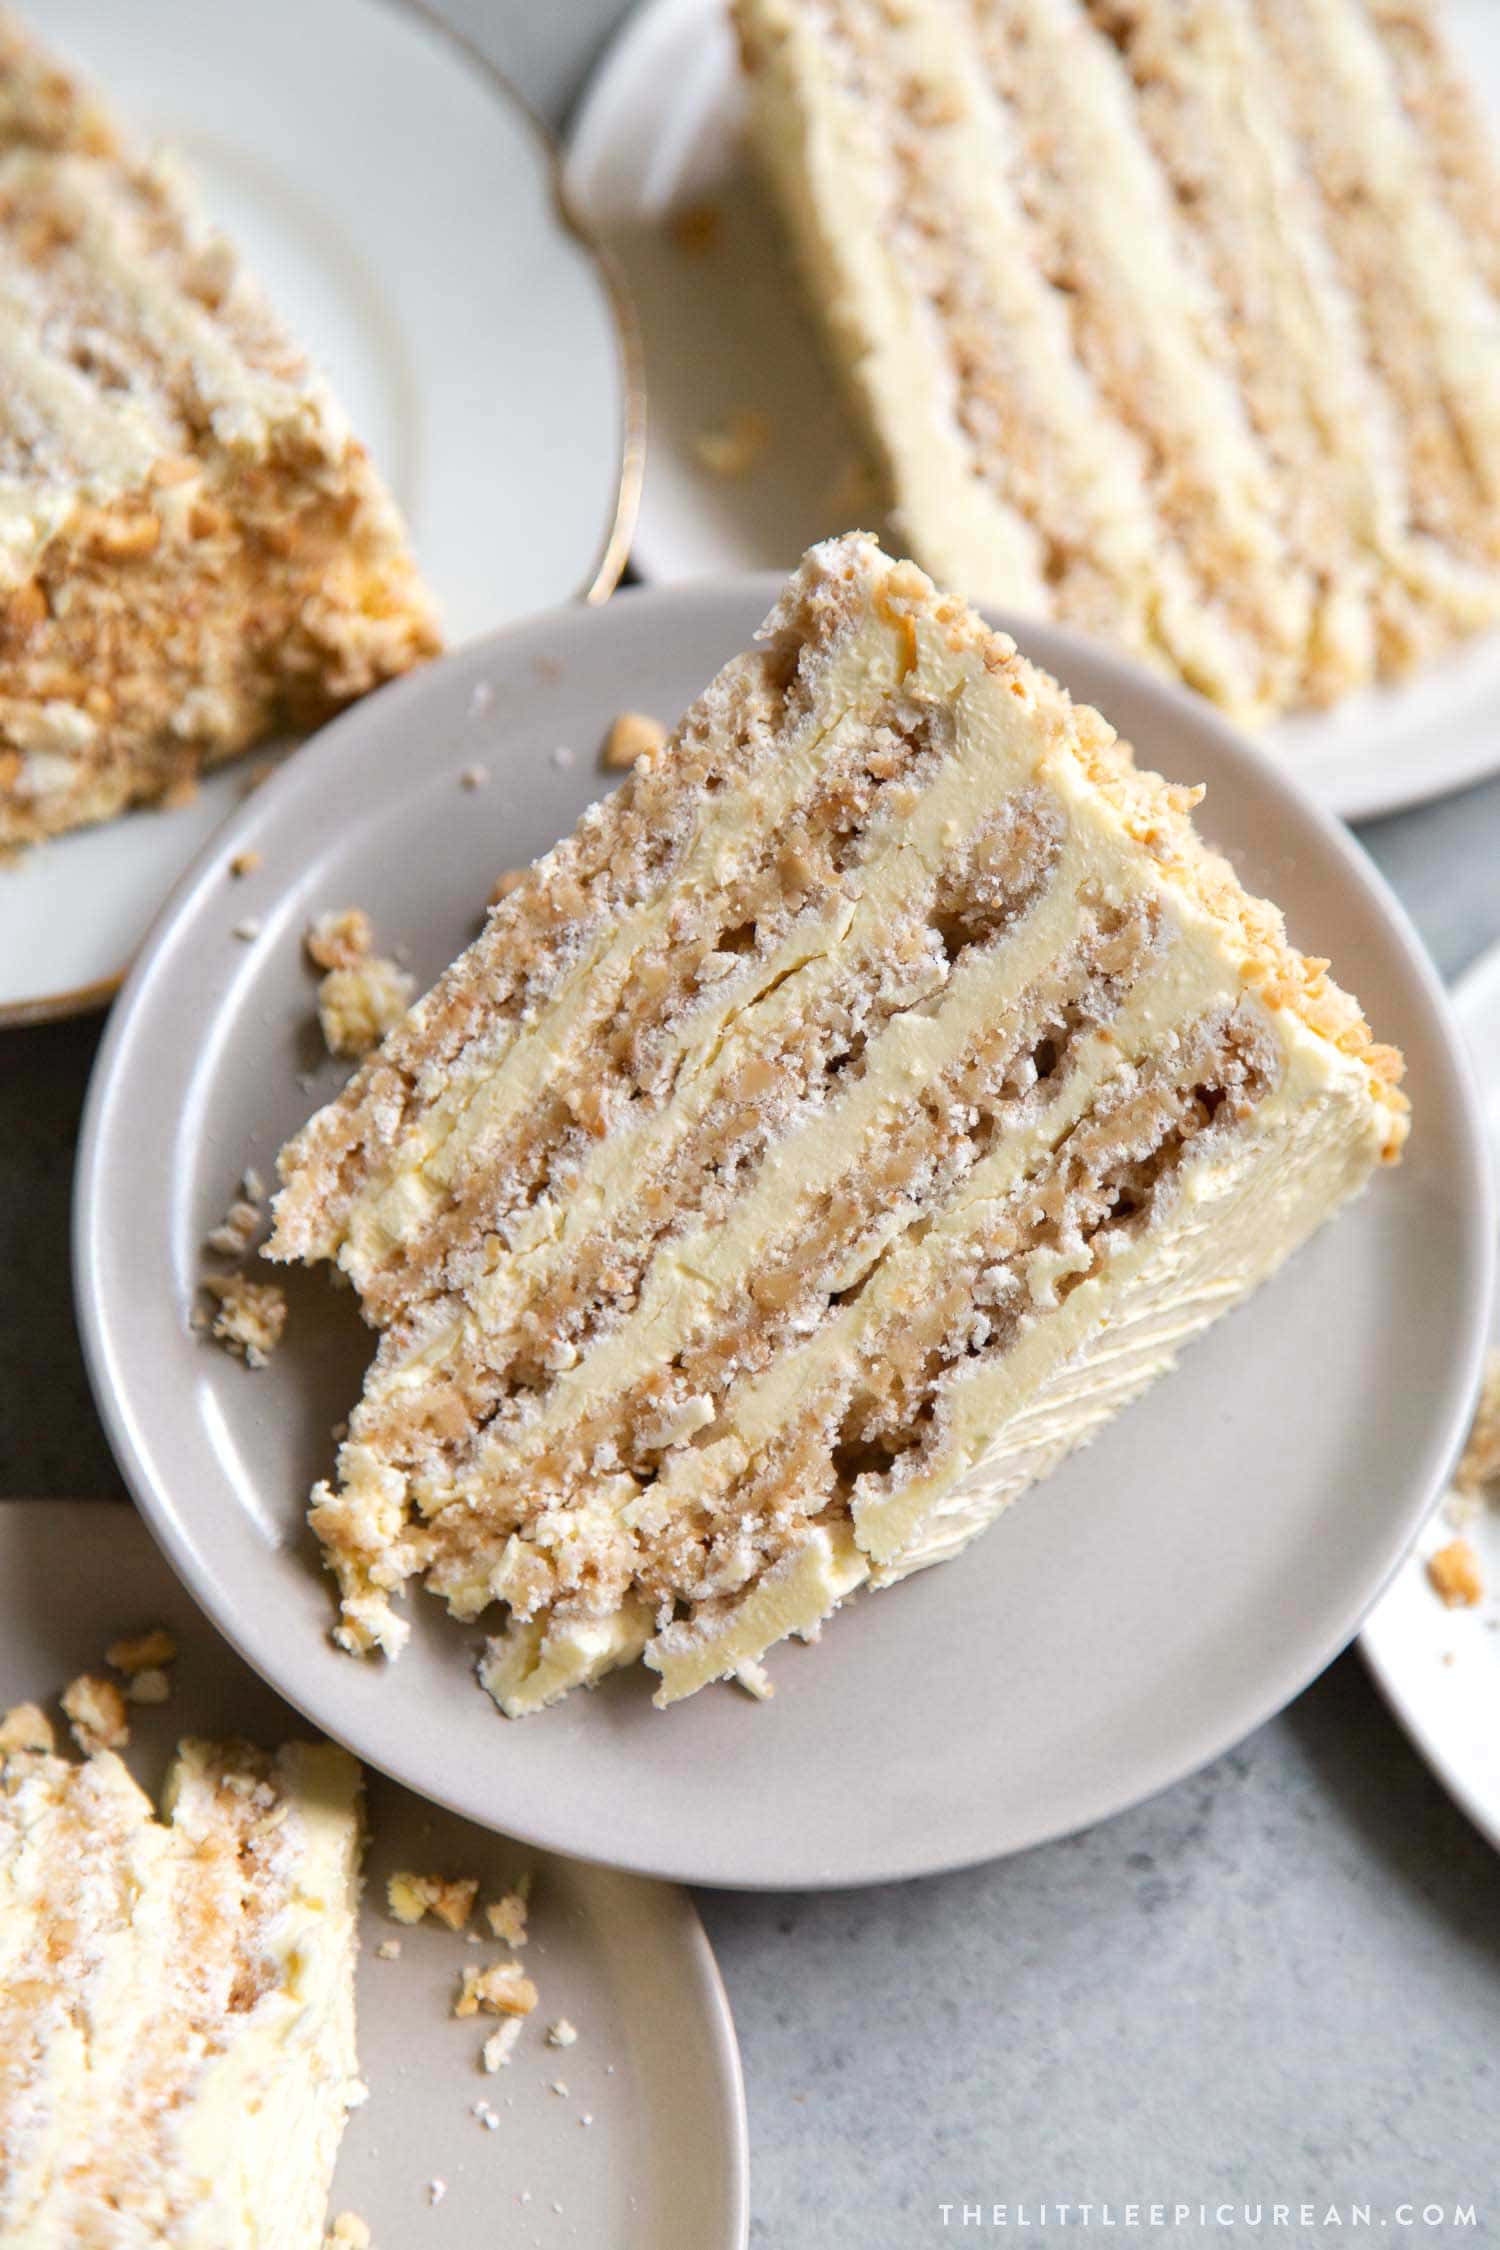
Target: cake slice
x=853 y=1113
x=193 y=547
x=1176 y=319
x=176 y=1997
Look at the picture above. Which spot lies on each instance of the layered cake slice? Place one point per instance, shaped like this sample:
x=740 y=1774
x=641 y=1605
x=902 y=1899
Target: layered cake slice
x=193 y=546
x=1176 y=319
x=176 y=1997
x=853 y=1113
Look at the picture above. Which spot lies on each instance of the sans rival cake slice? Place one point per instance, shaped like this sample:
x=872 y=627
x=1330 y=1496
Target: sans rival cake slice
x=860 y=1107
x=194 y=547
x=1175 y=319
x=176 y=1995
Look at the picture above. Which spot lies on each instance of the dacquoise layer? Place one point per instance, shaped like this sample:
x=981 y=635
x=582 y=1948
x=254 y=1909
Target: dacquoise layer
x=1176 y=319
x=193 y=546
x=863 y=1104
x=176 y=1998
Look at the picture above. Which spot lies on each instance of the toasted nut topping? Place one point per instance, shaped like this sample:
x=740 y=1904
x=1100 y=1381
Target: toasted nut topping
x=503 y=1989
x=26 y=1726
x=142 y=1652
x=1456 y=1576
x=629 y=738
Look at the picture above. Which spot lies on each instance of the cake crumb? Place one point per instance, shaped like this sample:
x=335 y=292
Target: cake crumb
x=449 y=1900
x=501 y=1989
x=357 y=1006
x=474 y=777
x=631 y=736
x=732 y=449
x=497 y=2050
x=510 y=881
x=26 y=1726
x=560 y=2088
x=436 y=2190
x=1456 y=1576
x=243 y=864
x=562 y=2033
x=488 y=2118
x=507 y=1916
x=247 y=931
x=586 y=2117
x=695 y=229
x=252 y=1186
x=142 y=1652
x=753 y=1677
x=481 y=697
x=251 y=1315
x=235 y=1232
x=348 y=2232
x=389 y=1949
x=564 y=758
x=152 y=1685
x=337 y=939
x=96 y=1712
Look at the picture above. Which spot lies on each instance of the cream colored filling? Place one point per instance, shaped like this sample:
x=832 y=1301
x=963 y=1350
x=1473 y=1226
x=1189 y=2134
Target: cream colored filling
x=409 y=1192
x=140 y=2093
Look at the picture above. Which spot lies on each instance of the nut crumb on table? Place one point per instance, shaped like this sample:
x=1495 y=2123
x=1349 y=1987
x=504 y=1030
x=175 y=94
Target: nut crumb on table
x=251 y=1315
x=152 y=1685
x=1456 y=1576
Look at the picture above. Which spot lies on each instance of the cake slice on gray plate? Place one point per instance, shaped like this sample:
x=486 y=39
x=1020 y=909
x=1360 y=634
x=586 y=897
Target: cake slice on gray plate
x=861 y=1106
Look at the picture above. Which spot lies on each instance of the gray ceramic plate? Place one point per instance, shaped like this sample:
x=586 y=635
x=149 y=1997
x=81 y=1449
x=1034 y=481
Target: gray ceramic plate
x=662 y=2165
x=1163 y=1593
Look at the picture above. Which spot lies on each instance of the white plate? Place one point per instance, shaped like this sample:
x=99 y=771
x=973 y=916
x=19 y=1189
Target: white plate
x=662 y=2166
x=1440 y=1668
x=1162 y=1594
x=660 y=131
x=403 y=210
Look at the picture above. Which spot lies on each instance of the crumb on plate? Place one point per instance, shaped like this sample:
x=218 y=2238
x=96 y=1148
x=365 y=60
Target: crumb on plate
x=449 y=1900
x=632 y=736
x=251 y=1315
x=26 y=1726
x=142 y=1652
x=501 y=1989
x=96 y=1711
x=359 y=1005
x=339 y=938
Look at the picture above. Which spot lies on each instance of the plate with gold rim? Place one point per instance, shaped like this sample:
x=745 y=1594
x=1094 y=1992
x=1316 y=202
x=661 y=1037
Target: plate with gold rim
x=477 y=338
x=661 y=2162
x=1161 y=1594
